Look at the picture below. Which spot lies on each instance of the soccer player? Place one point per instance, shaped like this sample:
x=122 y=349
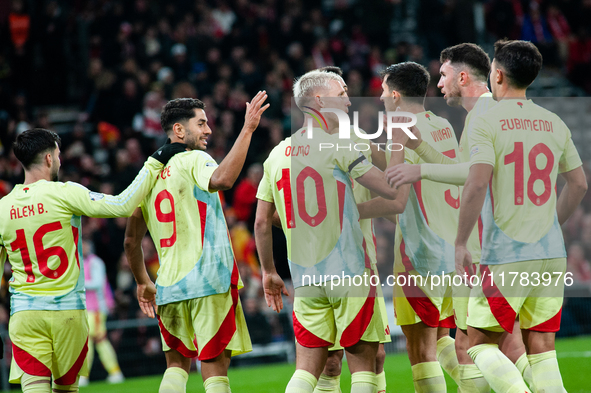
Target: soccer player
x=329 y=380
x=464 y=73
x=427 y=216
x=517 y=148
x=199 y=312
x=323 y=239
x=40 y=235
x=99 y=299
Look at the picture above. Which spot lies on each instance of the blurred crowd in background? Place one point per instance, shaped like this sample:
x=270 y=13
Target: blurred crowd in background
x=118 y=62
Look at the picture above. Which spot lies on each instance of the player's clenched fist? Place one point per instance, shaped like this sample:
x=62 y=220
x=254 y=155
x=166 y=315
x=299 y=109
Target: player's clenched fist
x=254 y=110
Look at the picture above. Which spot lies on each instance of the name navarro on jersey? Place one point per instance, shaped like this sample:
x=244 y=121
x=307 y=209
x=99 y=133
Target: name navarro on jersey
x=526 y=125
x=442 y=134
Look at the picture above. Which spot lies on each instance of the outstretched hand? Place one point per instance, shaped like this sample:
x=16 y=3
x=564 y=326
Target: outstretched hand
x=254 y=111
x=273 y=287
x=146 y=296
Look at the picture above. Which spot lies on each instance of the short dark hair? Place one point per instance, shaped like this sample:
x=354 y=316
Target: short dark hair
x=29 y=145
x=333 y=69
x=410 y=79
x=520 y=60
x=179 y=110
x=469 y=54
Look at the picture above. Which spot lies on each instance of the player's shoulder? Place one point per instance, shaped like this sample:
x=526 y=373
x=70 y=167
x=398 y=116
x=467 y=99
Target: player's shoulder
x=439 y=120
x=191 y=155
x=282 y=148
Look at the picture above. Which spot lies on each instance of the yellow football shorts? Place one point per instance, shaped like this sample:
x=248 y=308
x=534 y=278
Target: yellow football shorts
x=46 y=343
x=205 y=326
x=531 y=289
x=341 y=314
x=421 y=299
x=385 y=324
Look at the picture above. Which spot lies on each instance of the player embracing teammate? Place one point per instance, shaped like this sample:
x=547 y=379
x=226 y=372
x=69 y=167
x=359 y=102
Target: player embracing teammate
x=509 y=156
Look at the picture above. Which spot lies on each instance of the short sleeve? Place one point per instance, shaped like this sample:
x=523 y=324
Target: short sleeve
x=353 y=162
x=265 y=190
x=481 y=143
x=570 y=158
x=203 y=168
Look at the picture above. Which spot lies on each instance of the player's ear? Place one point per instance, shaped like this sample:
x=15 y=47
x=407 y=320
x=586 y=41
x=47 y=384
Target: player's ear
x=499 y=77
x=319 y=101
x=178 y=130
x=462 y=78
x=48 y=159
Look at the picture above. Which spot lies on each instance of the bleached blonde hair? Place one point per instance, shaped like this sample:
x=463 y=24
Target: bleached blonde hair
x=306 y=86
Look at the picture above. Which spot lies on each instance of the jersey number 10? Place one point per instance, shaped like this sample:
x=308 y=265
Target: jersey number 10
x=285 y=185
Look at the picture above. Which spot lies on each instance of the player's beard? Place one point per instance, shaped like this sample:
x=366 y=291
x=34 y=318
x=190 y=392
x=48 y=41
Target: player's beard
x=454 y=96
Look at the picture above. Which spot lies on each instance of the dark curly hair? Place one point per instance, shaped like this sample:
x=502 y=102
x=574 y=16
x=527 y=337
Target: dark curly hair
x=179 y=110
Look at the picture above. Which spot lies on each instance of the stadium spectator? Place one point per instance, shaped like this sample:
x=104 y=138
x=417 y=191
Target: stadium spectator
x=259 y=327
x=99 y=302
x=245 y=193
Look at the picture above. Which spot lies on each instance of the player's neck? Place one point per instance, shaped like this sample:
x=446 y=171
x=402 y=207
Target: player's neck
x=412 y=107
x=34 y=175
x=471 y=95
x=331 y=128
x=510 y=93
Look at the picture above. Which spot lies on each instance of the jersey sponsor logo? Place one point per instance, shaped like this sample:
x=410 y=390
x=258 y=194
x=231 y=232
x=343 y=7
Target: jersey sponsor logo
x=95 y=196
x=474 y=151
x=211 y=164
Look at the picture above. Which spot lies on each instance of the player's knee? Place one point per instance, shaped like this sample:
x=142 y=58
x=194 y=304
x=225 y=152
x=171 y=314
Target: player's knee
x=334 y=363
x=380 y=357
x=461 y=342
x=65 y=388
x=35 y=384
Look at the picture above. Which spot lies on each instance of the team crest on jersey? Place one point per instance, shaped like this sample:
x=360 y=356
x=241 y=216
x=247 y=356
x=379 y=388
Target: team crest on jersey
x=95 y=196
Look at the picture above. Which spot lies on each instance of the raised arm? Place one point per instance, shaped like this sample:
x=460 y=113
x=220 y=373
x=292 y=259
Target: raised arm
x=146 y=290
x=273 y=285
x=572 y=194
x=226 y=174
